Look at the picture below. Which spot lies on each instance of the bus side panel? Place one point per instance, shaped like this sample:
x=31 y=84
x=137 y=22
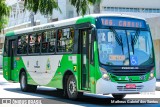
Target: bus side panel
x=98 y=74
x=92 y=78
x=79 y=75
x=67 y=63
x=20 y=66
x=38 y=72
x=6 y=68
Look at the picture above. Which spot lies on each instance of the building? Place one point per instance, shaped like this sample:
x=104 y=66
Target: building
x=148 y=9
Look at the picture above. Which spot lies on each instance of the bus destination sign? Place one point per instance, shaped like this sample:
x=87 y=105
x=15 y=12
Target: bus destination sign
x=123 y=22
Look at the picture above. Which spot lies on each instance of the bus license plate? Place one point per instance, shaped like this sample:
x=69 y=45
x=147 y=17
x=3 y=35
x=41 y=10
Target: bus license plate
x=130 y=85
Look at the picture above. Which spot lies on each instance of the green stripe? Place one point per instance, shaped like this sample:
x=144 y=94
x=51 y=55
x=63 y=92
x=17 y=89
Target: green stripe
x=10 y=33
x=86 y=19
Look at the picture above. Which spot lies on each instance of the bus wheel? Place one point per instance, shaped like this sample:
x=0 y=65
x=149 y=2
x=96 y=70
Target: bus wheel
x=72 y=87
x=118 y=96
x=23 y=84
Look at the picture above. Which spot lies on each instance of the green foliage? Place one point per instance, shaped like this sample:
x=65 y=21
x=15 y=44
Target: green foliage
x=83 y=5
x=45 y=7
x=3 y=22
x=5 y=11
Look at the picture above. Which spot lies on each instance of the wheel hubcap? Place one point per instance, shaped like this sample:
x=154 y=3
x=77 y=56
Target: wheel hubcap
x=72 y=87
x=23 y=82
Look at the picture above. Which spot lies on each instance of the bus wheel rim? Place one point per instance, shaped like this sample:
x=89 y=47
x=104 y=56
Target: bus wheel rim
x=72 y=87
x=23 y=82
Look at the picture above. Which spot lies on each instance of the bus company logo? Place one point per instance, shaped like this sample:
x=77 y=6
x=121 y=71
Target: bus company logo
x=48 y=65
x=36 y=66
x=126 y=78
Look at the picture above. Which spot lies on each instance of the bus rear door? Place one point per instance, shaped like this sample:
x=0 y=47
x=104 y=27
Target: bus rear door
x=8 y=60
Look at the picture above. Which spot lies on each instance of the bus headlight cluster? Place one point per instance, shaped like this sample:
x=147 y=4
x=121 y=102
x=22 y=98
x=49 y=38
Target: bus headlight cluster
x=151 y=76
x=105 y=75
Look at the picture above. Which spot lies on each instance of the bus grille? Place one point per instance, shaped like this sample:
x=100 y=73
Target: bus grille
x=123 y=88
x=130 y=73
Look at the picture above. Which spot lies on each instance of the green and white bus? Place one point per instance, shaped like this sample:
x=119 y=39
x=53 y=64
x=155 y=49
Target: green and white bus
x=99 y=53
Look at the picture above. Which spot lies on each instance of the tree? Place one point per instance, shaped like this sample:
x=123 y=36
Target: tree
x=83 y=5
x=45 y=7
x=4 y=13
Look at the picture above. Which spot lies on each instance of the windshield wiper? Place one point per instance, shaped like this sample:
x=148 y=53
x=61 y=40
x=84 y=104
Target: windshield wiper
x=134 y=40
x=118 y=39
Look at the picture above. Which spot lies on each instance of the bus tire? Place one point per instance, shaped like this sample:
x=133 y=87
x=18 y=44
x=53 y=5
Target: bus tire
x=72 y=88
x=118 y=96
x=23 y=84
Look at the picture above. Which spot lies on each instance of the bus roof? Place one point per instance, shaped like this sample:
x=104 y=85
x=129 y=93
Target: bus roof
x=71 y=21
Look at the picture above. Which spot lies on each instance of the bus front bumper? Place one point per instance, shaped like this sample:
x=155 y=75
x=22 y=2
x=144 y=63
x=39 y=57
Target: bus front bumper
x=108 y=87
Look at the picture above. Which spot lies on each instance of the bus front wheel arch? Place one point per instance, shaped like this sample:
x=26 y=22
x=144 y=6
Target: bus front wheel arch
x=70 y=86
x=65 y=79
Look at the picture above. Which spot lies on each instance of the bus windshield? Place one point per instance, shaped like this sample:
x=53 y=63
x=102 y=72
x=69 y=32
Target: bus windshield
x=125 y=47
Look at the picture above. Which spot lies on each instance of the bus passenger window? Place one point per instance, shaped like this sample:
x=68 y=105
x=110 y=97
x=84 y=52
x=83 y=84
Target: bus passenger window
x=59 y=44
x=32 y=44
x=19 y=50
x=6 y=47
x=65 y=40
x=37 y=43
x=52 y=39
x=70 y=41
x=45 y=38
x=22 y=44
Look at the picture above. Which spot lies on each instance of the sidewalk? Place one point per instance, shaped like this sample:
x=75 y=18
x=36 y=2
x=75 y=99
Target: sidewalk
x=158 y=85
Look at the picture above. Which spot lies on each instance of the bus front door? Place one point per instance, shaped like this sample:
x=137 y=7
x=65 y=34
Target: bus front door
x=85 y=59
x=12 y=54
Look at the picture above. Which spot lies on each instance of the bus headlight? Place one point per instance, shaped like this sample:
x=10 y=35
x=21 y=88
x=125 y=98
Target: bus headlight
x=151 y=76
x=105 y=75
